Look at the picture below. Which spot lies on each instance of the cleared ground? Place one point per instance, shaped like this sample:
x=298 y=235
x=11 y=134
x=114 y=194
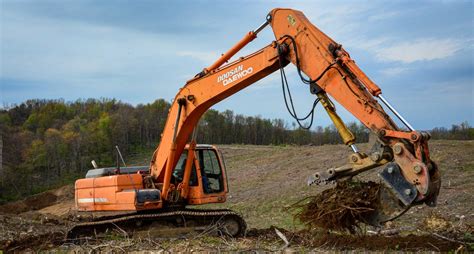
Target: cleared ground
x=264 y=182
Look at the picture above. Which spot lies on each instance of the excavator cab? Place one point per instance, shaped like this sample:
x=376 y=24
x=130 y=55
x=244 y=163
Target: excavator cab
x=207 y=180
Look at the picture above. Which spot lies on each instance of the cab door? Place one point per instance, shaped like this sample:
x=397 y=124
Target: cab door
x=212 y=184
x=211 y=171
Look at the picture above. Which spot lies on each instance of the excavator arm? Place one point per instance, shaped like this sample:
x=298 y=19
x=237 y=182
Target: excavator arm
x=326 y=62
x=329 y=70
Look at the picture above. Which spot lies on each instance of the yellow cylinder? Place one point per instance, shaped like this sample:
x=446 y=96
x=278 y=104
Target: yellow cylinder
x=346 y=135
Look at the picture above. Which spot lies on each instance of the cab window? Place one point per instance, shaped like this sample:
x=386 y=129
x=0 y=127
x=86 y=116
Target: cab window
x=178 y=172
x=211 y=171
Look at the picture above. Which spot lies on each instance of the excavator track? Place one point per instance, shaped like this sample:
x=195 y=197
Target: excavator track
x=171 y=223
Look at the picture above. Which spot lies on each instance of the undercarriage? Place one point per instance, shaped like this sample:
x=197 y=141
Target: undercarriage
x=174 y=223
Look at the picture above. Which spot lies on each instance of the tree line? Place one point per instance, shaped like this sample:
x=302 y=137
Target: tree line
x=47 y=143
x=462 y=131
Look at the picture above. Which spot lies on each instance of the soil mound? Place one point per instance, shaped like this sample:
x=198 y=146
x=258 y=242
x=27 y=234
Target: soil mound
x=39 y=201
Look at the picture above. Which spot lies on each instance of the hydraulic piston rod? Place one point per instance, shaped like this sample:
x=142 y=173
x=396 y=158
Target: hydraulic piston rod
x=396 y=112
x=261 y=27
x=347 y=137
x=250 y=36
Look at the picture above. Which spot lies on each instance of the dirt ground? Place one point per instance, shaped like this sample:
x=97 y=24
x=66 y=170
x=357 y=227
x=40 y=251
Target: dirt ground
x=264 y=182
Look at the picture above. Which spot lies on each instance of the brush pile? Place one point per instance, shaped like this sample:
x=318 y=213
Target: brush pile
x=340 y=208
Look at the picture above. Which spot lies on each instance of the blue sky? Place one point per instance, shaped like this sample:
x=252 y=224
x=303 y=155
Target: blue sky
x=419 y=52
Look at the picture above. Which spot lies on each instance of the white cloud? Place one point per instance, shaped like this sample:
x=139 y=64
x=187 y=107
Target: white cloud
x=383 y=16
x=420 y=50
x=393 y=71
x=206 y=57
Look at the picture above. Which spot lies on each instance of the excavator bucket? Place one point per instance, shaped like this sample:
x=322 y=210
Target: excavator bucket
x=389 y=207
x=394 y=197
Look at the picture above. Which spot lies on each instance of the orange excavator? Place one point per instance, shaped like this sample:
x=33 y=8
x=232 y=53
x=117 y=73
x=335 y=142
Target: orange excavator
x=184 y=173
